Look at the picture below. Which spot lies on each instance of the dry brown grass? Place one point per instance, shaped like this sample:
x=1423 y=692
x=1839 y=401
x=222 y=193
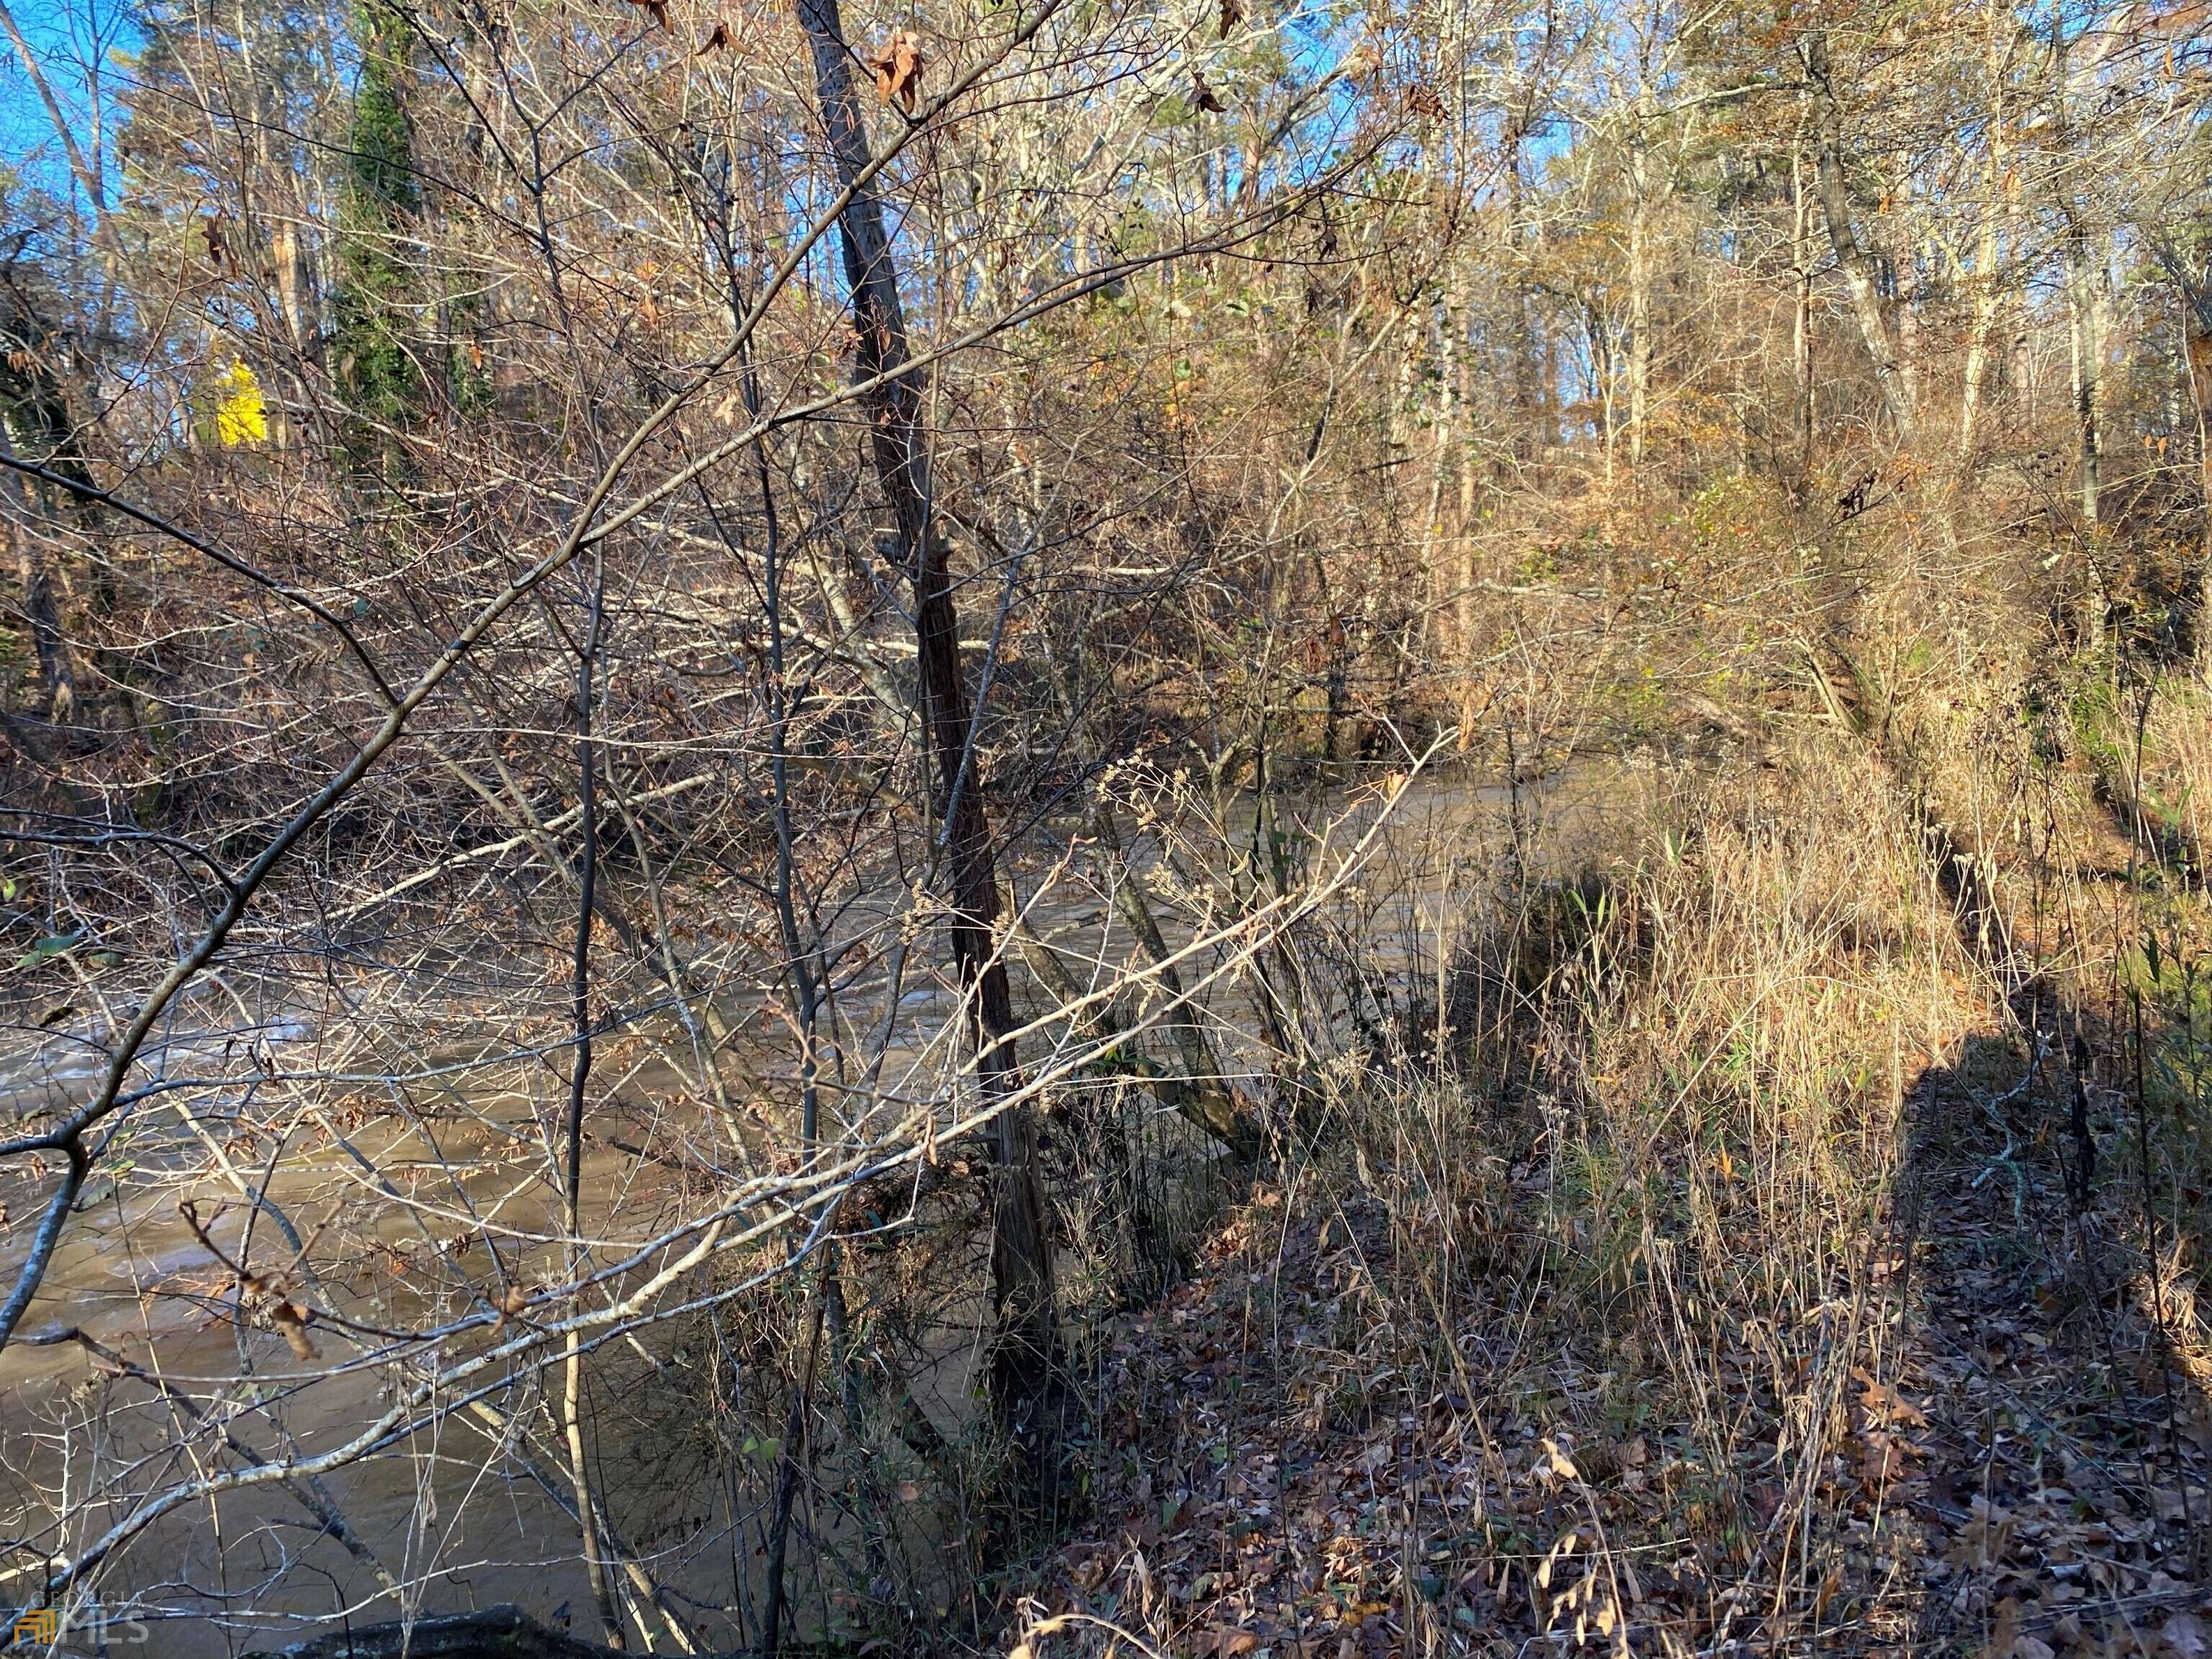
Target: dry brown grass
x=1610 y=1344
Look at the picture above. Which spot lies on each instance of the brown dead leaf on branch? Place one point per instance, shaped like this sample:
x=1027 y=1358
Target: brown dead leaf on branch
x=1204 y=96
x=509 y=1303
x=656 y=9
x=1232 y=14
x=291 y=1319
x=718 y=40
x=897 y=67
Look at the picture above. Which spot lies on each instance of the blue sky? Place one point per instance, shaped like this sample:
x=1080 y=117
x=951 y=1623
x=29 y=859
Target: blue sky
x=63 y=35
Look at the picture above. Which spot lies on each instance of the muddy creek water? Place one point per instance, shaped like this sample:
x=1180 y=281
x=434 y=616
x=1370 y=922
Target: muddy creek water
x=417 y=1183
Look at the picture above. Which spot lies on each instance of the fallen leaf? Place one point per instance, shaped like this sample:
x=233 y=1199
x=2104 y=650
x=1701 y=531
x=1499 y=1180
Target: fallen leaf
x=1982 y=1541
x=1555 y=1464
x=1883 y=1404
x=2184 y=1633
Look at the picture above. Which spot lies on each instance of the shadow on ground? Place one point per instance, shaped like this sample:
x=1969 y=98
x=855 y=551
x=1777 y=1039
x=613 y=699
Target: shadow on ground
x=2062 y=1463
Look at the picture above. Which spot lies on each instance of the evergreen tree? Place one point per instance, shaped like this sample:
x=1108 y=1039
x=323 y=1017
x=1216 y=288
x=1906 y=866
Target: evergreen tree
x=376 y=367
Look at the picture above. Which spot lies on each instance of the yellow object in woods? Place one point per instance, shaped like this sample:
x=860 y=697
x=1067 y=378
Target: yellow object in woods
x=240 y=417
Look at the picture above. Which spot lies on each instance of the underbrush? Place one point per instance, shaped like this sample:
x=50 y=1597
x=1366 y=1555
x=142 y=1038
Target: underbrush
x=1601 y=1341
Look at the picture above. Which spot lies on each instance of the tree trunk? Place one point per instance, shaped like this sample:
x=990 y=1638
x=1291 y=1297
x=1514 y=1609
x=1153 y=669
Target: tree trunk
x=500 y=1632
x=1800 y=343
x=56 y=667
x=1984 y=284
x=2084 y=288
x=1026 y=1372
x=1193 y=1098
x=1440 y=455
x=1522 y=344
x=1855 y=263
x=1639 y=312
x=572 y=1395
x=56 y=673
x=1206 y=1097
x=1905 y=285
x=2197 y=368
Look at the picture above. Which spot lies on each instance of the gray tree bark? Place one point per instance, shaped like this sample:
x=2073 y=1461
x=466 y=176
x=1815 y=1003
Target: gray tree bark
x=1855 y=263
